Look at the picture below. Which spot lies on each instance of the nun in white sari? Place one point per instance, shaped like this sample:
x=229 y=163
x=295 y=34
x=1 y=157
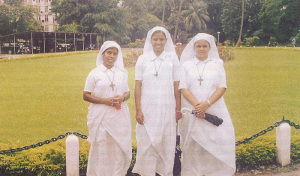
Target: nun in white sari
x=156 y=98
x=206 y=149
x=109 y=120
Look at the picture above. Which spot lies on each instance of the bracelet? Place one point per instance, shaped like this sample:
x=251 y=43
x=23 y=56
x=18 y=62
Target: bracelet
x=124 y=98
x=208 y=102
x=177 y=111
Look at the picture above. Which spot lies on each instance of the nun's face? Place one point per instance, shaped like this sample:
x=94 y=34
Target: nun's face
x=110 y=56
x=158 y=42
x=202 y=48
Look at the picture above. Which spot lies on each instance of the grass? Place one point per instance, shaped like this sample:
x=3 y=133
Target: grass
x=41 y=98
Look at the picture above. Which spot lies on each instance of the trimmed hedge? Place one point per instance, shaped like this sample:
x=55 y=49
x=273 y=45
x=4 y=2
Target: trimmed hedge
x=50 y=159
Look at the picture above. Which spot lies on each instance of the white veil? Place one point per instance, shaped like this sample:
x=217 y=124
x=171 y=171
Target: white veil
x=189 y=52
x=169 y=47
x=105 y=46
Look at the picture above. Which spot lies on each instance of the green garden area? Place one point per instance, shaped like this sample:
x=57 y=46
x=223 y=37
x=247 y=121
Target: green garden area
x=41 y=98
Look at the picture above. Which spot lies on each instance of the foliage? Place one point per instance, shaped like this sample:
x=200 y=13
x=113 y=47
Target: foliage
x=50 y=159
x=15 y=18
x=104 y=17
x=253 y=41
x=131 y=57
x=225 y=53
x=231 y=19
x=261 y=151
x=137 y=44
x=195 y=16
x=140 y=19
x=228 y=43
x=289 y=22
x=269 y=18
x=272 y=42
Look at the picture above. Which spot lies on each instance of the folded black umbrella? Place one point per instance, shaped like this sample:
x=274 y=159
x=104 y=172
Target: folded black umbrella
x=215 y=120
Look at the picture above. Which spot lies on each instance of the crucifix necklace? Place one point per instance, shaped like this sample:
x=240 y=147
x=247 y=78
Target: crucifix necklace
x=156 y=71
x=200 y=76
x=112 y=85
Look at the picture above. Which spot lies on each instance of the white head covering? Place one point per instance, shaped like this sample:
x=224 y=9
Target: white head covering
x=189 y=52
x=169 y=47
x=105 y=46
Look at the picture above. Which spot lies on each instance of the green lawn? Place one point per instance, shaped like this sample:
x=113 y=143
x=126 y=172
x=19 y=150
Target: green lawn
x=41 y=98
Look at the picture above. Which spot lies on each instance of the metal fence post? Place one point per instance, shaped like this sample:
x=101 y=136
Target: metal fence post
x=283 y=143
x=72 y=155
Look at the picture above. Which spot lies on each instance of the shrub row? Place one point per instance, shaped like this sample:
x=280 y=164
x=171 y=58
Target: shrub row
x=50 y=159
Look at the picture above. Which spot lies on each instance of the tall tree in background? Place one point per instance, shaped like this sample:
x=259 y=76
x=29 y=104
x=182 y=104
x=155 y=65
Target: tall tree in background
x=140 y=20
x=214 y=9
x=16 y=18
x=105 y=17
x=252 y=25
x=177 y=20
x=242 y=23
x=289 y=22
x=230 y=20
x=196 y=16
x=269 y=18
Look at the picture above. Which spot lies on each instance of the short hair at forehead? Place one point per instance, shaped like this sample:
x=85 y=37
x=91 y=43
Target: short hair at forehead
x=111 y=48
x=158 y=31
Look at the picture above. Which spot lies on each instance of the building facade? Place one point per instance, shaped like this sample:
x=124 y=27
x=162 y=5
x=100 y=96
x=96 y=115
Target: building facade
x=45 y=15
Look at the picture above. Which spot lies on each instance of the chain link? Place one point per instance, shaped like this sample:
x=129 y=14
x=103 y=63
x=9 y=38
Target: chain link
x=270 y=128
x=43 y=143
x=62 y=136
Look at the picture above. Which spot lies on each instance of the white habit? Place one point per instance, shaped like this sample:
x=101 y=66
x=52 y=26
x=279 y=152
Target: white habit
x=206 y=149
x=109 y=128
x=156 y=139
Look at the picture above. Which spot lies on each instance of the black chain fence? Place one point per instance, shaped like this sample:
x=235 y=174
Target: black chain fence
x=244 y=141
x=270 y=128
x=43 y=143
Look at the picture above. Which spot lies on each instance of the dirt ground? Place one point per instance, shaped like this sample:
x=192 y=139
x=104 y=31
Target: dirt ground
x=290 y=170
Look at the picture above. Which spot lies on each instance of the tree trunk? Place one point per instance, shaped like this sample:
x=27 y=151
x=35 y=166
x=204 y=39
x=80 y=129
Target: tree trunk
x=242 y=22
x=164 y=9
x=177 y=21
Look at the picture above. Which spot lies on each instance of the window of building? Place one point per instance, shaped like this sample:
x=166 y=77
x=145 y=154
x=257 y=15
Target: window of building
x=46 y=17
x=46 y=8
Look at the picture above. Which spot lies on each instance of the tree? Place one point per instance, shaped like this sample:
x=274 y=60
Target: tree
x=230 y=20
x=139 y=19
x=269 y=18
x=16 y=18
x=196 y=16
x=106 y=17
x=177 y=21
x=214 y=9
x=242 y=23
x=289 y=22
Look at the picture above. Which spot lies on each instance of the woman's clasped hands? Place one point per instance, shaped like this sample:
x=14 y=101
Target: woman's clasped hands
x=115 y=101
x=200 y=109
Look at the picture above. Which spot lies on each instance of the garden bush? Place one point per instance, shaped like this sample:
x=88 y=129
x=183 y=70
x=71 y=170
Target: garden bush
x=225 y=54
x=253 y=41
x=50 y=159
x=137 y=44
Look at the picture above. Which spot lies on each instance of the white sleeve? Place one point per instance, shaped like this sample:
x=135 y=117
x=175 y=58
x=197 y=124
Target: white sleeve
x=222 y=82
x=176 y=69
x=183 y=78
x=90 y=82
x=139 y=69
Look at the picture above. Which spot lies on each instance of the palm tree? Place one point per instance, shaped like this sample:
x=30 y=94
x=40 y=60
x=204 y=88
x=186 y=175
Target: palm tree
x=164 y=10
x=177 y=21
x=196 y=16
x=242 y=22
